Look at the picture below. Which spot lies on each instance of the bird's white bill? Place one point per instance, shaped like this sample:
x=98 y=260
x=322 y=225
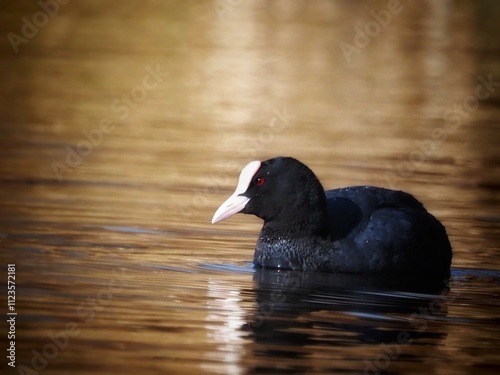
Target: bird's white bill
x=233 y=205
x=236 y=202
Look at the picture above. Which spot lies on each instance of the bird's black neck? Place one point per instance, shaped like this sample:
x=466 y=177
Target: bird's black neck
x=286 y=244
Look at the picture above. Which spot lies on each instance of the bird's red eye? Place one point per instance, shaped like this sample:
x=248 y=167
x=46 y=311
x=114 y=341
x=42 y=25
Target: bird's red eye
x=260 y=181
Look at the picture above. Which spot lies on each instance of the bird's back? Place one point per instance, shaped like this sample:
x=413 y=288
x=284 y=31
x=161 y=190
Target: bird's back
x=390 y=229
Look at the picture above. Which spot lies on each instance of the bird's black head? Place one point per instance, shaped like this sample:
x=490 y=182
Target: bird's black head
x=281 y=191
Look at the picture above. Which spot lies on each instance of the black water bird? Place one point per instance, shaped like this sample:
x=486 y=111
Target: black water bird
x=357 y=230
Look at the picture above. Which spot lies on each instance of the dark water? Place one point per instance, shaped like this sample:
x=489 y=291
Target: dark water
x=124 y=126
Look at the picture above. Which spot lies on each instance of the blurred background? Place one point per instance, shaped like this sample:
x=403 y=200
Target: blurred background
x=125 y=124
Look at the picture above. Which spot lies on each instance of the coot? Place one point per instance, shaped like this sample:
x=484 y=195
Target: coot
x=358 y=229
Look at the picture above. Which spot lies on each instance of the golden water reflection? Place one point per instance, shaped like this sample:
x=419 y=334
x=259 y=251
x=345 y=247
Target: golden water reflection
x=123 y=128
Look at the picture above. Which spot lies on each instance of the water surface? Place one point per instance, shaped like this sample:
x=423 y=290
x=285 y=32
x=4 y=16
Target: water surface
x=124 y=127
